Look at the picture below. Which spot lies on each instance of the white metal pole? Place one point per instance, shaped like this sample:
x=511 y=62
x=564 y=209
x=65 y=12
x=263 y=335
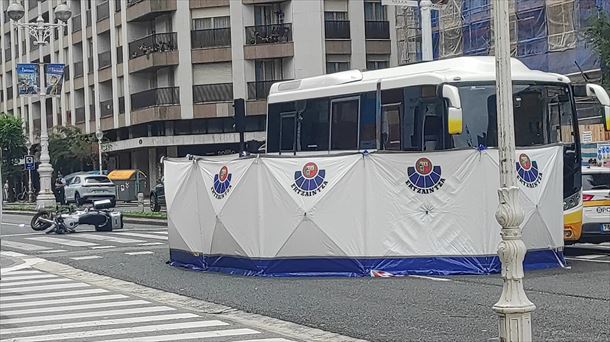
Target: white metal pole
x=425 y=7
x=99 y=151
x=45 y=198
x=514 y=308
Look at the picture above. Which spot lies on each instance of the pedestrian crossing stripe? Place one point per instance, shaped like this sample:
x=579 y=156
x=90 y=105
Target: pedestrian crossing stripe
x=6 y=298
x=107 y=237
x=141 y=235
x=67 y=242
x=41 y=303
x=96 y=313
x=32 y=282
x=43 y=288
x=75 y=307
x=185 y=336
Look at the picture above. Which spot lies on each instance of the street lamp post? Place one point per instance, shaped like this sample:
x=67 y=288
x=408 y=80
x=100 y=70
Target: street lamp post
x=28 y=144
x=41 y=31
x=99 y=135
x=425 y=7
x=514 y=308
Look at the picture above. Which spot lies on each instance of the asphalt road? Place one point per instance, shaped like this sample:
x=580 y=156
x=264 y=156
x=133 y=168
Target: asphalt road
x=573 y=303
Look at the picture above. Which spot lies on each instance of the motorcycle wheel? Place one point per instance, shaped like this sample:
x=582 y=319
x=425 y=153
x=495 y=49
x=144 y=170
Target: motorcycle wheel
x=39 y=225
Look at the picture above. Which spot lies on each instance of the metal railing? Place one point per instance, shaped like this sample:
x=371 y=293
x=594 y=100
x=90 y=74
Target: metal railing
x=269 y=34
x=155 y=97
x=377 y=29
x=212 y=92
x=104 y=60
x=337 y=29
x=119 y=54
x=78 y=69
x=210 y=38
x=77 y=25
x=103 y=11
x=260 y=89
x=133 y=2
x=106 y=108
x=79 y=115
x=158 y=42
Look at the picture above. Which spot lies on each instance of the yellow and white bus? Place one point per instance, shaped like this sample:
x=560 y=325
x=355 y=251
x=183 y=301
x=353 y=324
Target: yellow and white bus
x=439 y=105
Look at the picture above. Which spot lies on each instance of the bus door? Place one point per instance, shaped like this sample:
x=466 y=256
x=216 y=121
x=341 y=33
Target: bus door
x=391 y=127
x=287 y=132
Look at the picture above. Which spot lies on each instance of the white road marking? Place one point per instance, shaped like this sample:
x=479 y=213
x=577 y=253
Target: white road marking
x=21 y=272
x=97 y=323
x=22 y=246
x=162 y=232
x=152 y=244
x=267 y=340
x=145 y=236
x=66 y=317
x=44 y=287
x=67 y=242
x=34 y=282
x=61 y=301
x=108 y=237
x=592 y=256
x=87 y=257
x=74 y=307
x=81 y=335
x=429 y=278
x=186 y=336
x=56 y=251
x=102 y=247
x=588 y=260
x=139 y=253
x=8 y=277
x=51 y=295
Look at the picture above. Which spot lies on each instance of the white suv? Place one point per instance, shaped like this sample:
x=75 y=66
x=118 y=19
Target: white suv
x=81 y=188
x=596 y=202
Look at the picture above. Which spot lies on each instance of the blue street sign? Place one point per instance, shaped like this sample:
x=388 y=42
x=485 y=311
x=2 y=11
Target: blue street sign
x=30 y=163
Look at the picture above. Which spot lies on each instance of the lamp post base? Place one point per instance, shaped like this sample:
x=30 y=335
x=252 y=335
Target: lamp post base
x=46 y=198
x=515 y=326
x=45 y=201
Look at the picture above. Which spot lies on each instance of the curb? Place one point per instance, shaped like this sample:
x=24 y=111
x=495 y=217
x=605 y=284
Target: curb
x=133 y=220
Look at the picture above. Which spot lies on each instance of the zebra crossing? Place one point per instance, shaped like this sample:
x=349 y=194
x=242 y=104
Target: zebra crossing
x=40 y=306
x=88 y=241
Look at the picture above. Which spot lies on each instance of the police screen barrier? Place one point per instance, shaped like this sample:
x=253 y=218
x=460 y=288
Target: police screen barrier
x=358 y=214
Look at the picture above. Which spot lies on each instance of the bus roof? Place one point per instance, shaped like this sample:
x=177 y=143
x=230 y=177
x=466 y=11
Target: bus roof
x=459 y=69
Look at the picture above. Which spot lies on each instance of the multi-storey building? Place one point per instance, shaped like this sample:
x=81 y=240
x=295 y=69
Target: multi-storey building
x=158 y=77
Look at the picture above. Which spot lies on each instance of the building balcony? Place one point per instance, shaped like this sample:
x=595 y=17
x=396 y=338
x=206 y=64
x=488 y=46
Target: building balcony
x=256 y=2
x=213 y=92
x=158 y=42
x=201 y=39
x=143 y=10
x=207 y=3
x=155 y=97
x=337 y=29
x=377 y=29
x=259 y=90
x=268 y=34
x=103 y=11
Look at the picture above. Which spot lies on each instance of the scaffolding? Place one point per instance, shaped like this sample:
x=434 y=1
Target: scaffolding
x=545 y=34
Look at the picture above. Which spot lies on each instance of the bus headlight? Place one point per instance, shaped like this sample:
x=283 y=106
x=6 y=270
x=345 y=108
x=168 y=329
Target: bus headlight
x=571 y=201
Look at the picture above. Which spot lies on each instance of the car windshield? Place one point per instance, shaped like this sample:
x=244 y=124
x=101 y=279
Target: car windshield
x=97 y=180
x=596 y=181
x=543 y=115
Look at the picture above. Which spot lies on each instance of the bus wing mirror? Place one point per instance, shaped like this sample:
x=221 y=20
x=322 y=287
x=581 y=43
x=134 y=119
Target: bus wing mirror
x=454 y=109
x=603 y=98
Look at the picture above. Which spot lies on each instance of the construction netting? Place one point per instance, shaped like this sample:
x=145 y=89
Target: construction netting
x=545 y=34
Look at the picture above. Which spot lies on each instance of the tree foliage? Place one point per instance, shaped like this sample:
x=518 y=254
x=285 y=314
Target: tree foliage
x=599 y=35
x=70 y=150
x=12 y=143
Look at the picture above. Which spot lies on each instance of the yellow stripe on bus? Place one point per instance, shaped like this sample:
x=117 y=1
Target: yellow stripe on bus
x=596 y=203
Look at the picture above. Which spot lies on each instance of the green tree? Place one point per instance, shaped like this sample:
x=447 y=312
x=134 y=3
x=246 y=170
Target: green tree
x=70 y=150
x=12 y=143
x=599 y=34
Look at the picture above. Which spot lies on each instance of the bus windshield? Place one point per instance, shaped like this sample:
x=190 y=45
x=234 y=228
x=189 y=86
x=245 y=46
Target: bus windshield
x=543 y=115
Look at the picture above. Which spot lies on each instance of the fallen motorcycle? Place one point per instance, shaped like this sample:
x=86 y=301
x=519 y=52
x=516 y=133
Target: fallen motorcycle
x=100 y=216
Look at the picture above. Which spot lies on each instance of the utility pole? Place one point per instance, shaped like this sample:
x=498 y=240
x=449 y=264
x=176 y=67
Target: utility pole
x=514 y=308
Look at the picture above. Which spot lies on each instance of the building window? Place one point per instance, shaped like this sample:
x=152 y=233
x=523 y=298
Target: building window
x=268 y=70
x=332 y=67
x=268 y=15
x=377 y=62
x=211 y=23
x=335 y=16
x=374 y=11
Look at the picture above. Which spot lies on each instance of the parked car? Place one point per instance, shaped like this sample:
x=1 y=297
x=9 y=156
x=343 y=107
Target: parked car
x=84 y=187
x=596 y=204
x=157 y=197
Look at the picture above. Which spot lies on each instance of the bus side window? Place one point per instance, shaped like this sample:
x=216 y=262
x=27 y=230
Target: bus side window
x=390 y=127
x=287 y=131
x=433 y=131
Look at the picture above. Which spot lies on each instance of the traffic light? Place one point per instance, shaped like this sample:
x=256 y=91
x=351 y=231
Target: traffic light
x=240 y=114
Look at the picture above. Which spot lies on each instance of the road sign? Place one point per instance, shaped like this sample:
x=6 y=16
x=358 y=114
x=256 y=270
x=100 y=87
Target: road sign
x=30 y=163
x=603 y=152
